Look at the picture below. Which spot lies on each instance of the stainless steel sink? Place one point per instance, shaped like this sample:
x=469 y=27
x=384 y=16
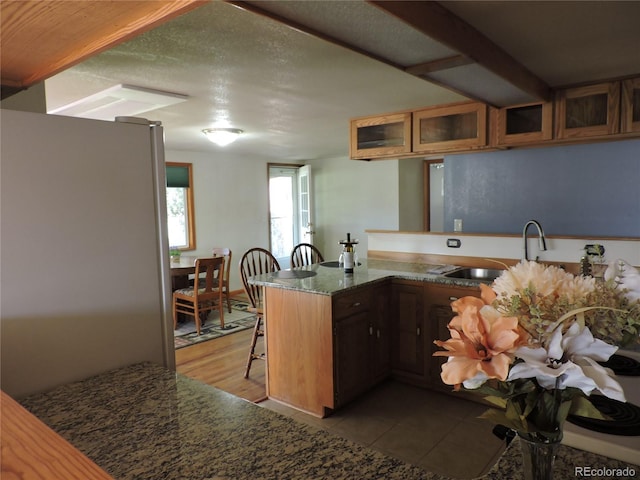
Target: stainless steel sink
x=469 y=273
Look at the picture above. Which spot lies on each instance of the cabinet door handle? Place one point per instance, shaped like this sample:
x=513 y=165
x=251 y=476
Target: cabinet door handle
x=453 y=299
x=378 y=333
x=370 y=330
x=356 y=304
x=418 y=331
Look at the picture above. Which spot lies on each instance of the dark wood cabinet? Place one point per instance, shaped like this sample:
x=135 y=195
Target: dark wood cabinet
x=352 y=354
x=379 y=321
x=438 y=300
x=588 y=111
x=630 y=115
x=524 y=124
x=408 y=330
x=361 y=345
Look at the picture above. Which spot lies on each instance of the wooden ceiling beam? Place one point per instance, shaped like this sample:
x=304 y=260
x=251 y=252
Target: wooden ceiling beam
x=440 y=24
x=423 y=69
x=41 y=38
x=255 y=8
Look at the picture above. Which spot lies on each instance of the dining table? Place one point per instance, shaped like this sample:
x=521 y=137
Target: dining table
x=181 y=268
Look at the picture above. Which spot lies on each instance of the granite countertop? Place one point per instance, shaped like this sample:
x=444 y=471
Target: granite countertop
x=323 y=280
x=145 y=422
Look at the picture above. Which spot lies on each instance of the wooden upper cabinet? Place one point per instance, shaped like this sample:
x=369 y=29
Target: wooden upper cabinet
x=524 y=124
x=589 y=111
x=382 y=136
x=577 y=115
x=630 y=120
x=461 y=126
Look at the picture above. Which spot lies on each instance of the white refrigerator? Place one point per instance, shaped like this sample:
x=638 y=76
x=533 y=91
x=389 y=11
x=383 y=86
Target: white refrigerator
x=84 y=270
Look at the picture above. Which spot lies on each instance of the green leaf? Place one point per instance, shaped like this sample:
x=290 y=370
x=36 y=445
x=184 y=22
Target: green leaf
x=497 y=401
x=583 y=407
x=563 y=412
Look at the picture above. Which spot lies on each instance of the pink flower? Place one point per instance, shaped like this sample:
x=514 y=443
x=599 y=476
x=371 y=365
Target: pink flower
x=481 y=344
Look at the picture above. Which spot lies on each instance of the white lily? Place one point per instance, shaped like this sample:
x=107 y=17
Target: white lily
x=475 y=382
x=572 y=359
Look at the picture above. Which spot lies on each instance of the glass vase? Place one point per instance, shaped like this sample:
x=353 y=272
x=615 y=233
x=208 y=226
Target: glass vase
x=538 y=455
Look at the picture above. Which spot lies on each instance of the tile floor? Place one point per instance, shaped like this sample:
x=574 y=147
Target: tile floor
x=437 y=432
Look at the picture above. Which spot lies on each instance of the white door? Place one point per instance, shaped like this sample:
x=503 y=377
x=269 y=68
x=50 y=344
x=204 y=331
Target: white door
x=305 y=205
x=290 y=209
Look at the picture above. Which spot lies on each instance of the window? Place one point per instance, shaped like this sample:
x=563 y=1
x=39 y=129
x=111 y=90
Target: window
x=283 y=211
x=290 y=209
x=180 y=209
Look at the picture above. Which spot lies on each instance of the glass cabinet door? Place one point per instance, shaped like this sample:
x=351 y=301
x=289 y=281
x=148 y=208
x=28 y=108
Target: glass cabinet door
x=588 y=111
x=380 y=137
x=449 y=128
x=631 y=106
x=530 y=123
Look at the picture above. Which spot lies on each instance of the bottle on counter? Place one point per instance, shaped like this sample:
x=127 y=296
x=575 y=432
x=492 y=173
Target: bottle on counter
x=348 y=255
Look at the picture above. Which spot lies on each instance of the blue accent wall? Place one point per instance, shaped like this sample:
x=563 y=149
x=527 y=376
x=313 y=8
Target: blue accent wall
x=584 y=190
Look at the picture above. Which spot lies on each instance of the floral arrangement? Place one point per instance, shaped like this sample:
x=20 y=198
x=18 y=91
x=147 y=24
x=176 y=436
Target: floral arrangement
x=531 y=344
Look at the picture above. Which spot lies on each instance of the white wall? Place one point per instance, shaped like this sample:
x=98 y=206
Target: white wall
x=558 y=249
x=231 y=201
x=411 y=188
x=352 y=196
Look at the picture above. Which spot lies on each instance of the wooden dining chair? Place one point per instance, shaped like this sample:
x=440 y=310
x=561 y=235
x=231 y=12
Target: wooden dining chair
x=226 y=253
x=204 y=296
x=256 y=261
x=305 y=254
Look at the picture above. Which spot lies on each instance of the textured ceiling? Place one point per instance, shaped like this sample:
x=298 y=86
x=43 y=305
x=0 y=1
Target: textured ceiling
x=293 y=93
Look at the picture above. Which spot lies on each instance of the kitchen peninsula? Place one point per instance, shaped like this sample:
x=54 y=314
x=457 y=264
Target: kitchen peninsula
x=329 y=336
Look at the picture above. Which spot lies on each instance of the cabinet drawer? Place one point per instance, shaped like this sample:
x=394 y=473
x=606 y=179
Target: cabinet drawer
x=349 y=303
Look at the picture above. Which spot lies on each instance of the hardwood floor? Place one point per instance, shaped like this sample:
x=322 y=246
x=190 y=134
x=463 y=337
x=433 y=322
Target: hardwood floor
x=221 y=362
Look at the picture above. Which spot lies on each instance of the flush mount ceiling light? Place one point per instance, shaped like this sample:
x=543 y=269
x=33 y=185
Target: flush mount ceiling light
x=119 y=101
x=222 y=136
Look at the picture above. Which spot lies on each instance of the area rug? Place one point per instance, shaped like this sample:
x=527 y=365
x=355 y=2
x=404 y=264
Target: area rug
x=239 y=319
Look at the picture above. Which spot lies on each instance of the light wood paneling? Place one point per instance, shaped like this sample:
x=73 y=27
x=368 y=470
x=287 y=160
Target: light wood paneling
x=40 y=39
x=299 y=339
x=31 y=450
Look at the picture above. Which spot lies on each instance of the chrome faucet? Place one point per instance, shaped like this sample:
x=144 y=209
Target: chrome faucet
x=541 y=241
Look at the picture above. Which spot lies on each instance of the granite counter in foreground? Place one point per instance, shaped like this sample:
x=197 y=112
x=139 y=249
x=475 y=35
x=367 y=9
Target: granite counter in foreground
x=145 y=422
